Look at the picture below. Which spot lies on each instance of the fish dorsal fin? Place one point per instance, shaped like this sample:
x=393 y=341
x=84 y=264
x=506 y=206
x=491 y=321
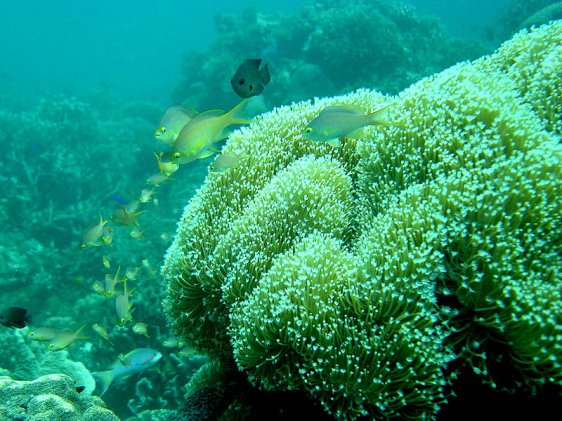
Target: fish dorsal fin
x=342 y=109
x=189 y=110
x=253 y=62
x=205 y=153
x=206 y=115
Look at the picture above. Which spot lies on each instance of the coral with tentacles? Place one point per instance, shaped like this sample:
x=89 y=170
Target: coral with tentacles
x=357 y=274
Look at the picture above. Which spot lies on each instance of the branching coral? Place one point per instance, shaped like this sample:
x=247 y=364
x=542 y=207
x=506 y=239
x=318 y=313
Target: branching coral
x=357 y=274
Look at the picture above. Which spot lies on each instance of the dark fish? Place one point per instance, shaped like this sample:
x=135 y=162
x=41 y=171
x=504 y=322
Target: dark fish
x=15 y=317
x=80 y=389
x=249 y=80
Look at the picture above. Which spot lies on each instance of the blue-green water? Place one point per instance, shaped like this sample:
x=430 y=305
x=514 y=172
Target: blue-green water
x=83 y=86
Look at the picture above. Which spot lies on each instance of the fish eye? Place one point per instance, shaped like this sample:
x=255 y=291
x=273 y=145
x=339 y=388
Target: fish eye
x=241 y=82
x=163 y=129
x=251 y=87
x=308 y=130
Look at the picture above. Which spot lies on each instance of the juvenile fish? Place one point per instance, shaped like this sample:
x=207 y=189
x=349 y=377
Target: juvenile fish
x=342 y=121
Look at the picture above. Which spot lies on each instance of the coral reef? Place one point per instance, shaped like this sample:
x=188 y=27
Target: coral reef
x=65 y=158
x=518 y=13
x=51 y=397
x=331 y=46
x=361 y=274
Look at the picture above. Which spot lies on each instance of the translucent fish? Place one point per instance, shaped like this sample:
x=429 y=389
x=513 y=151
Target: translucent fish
x=342 y=121
x=225 y=161
x=123 y=306
x=43 y=334
x=141 y=328
x=65 y=338
x=172 y=122
x=101 y=331
x=93 y=235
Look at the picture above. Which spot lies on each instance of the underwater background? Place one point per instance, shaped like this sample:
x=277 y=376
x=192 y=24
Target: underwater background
x=84 y=204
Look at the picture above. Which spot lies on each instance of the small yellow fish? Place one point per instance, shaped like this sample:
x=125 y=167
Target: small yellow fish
x=197 y=137
x=225 y=161
x=65 y=338
x=172 y=122
x=166 y=168
x=336 y=122
x=166 y=237
x=152 y=272
x=132 y=273
x=43 y=334
x=122 y=216
x=157 y=179
x=146 y=195
x=123 y=306
x=111 y=282
x=105 y=262
x=137 y=233
x=93 y=235
x=187 y=351
x=98 y=287
x=100 y=330
x=173 y=342
x=141 y=328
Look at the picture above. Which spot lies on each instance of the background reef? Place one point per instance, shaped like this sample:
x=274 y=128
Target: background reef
x=330 y=47
x=68 y=155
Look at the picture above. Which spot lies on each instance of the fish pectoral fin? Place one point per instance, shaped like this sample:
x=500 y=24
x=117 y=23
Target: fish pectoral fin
x=334 y=142
x=223 y=134
x=265 y=77
x=356 y=134
x=205 y=153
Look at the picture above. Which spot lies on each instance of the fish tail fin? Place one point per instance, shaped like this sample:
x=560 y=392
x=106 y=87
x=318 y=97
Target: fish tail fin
x=103 y=379
x=80 y=329
x=380 y=117
x=264 y=74
x=239 y=114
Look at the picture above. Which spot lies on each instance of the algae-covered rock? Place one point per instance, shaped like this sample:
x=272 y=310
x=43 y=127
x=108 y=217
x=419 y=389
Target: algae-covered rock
x=51 y=397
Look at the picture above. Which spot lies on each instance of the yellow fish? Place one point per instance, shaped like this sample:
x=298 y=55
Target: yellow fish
x=100 y=330
x=172 y=122
x=336 y=122
x=93 y=236
x=197 y=137
x=166 y=168
x=173 y=342
x=123 y=306
x=141 y=328
x=137 y=233
x=157 y=179
x=65 y=338
x=146 y=195
x=110 y=283
x=43 y=334
x=122 y=216
x=225 y=161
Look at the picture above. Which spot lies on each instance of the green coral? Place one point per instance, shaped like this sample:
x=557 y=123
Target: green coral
x=358 y=274
x=51 y=397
